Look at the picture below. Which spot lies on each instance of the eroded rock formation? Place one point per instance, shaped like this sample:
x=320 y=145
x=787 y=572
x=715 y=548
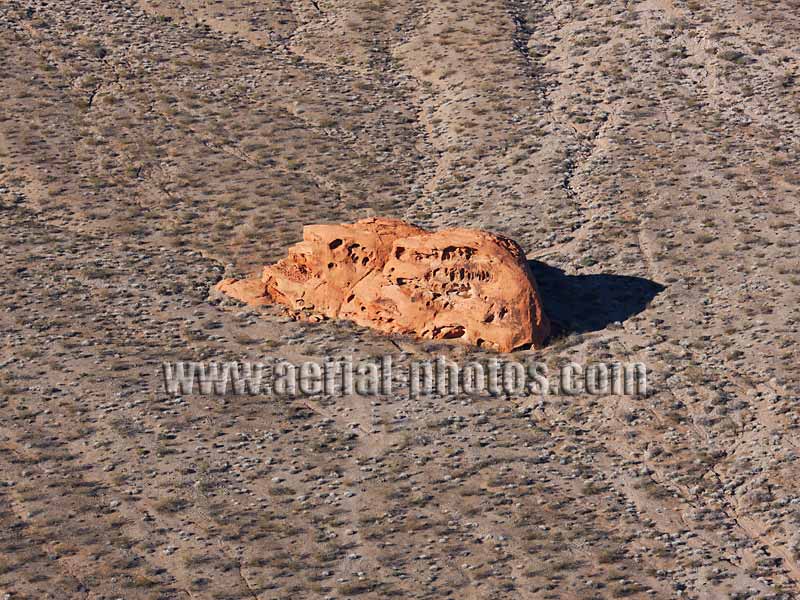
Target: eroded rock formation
x=462 y=284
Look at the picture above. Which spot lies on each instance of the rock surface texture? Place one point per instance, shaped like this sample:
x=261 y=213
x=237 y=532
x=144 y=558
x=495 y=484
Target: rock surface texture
x=467 y=285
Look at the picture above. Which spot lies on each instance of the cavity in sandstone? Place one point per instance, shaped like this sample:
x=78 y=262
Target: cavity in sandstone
x=461 y=284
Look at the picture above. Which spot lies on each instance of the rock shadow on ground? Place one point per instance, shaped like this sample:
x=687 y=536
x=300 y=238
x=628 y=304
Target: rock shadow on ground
x=586 y=303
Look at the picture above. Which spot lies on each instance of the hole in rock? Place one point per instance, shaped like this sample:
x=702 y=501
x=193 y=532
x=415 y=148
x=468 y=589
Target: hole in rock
x=453 y=332
x=335 y=244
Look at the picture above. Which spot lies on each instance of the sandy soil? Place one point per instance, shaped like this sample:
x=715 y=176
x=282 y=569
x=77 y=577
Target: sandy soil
x=644 y=153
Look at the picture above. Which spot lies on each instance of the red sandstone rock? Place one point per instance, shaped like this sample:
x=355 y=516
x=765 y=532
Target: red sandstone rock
x=462 y=284
x=250 y=291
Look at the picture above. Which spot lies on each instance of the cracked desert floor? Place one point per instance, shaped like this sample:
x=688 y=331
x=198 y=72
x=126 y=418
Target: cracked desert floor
x=643 y=153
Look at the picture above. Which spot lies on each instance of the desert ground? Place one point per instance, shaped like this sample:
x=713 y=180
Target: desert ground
x=643 y=153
